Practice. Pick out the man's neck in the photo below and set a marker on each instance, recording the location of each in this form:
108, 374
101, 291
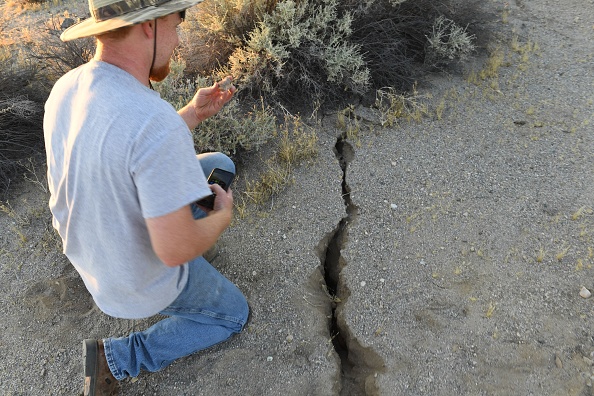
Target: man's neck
126, 58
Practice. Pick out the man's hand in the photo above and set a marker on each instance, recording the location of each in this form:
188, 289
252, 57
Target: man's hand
221, 202
208, 102
223, 199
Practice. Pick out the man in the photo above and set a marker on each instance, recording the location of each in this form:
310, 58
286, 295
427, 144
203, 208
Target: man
123, 177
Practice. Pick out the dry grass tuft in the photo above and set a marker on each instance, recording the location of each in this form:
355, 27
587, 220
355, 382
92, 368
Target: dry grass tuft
394, 106
21, 116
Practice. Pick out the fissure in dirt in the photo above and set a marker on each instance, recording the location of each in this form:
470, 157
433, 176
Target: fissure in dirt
358, 366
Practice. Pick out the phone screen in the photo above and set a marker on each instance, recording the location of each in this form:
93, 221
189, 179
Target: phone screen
220, 177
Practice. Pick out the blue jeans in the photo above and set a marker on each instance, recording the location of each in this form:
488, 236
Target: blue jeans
209, 310
209, 161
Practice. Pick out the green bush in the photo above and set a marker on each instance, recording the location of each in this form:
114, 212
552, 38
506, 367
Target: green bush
214, 29
286, 49
232, 129
304, 48
321, 50
448, 41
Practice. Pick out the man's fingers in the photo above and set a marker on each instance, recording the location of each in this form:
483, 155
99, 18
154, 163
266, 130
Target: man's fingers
215, 188
218, 190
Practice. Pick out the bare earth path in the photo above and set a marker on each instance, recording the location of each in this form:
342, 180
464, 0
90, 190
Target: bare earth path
457, 257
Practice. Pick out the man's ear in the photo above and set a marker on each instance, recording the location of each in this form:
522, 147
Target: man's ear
148, 28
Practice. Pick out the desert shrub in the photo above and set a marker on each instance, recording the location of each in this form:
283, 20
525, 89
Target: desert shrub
301, 48
393, 34
290, 49
21, 117
320, 50
26, 76
233, 128
393, 105
55, 57
403, 39
216, 28
448, 41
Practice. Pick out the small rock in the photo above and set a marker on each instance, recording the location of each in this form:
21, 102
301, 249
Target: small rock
585, 293
558, 361
289, 338
393, 206
363, 283
269, 359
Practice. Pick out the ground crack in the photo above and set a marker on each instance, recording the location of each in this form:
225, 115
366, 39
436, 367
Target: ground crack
358, 365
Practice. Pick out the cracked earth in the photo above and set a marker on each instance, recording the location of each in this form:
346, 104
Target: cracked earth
441, 258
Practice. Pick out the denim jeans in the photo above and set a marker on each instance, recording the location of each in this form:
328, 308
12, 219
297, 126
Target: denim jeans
209, 310
209, 161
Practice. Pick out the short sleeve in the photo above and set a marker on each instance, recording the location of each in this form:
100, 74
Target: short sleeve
166, 171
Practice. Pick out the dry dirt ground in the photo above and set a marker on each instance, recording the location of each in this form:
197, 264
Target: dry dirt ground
467, 239
473, 286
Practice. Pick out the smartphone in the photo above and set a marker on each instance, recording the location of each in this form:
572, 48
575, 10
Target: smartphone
220, 177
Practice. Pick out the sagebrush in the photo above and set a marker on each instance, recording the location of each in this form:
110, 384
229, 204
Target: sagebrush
233, 128
21, 116
286, 49
321, 50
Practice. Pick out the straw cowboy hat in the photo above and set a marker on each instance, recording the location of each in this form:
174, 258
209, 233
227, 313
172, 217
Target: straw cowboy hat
108, 15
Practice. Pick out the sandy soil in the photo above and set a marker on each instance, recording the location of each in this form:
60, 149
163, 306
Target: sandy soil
491, 242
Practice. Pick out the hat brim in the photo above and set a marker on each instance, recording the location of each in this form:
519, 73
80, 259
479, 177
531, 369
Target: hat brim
90, 27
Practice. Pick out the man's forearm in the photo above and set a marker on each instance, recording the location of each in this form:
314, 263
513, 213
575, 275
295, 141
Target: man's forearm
177, 238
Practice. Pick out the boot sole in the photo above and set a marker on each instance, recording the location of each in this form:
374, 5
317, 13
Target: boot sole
90, 353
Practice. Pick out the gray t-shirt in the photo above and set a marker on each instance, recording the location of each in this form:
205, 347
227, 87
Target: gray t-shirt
117, 154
